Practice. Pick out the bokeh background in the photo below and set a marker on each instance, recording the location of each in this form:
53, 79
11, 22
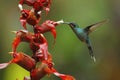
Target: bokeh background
69, 54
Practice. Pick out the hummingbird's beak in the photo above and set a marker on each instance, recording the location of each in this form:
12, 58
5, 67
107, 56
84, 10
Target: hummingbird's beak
67, 23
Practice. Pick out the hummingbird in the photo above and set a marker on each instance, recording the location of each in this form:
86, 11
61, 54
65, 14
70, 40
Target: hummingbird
83, 34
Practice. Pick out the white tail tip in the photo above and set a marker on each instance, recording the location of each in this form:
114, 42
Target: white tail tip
94, 59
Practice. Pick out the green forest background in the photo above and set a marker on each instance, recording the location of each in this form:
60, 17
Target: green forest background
69, 54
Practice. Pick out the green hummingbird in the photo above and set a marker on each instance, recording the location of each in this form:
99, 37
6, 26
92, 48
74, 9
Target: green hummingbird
83, 34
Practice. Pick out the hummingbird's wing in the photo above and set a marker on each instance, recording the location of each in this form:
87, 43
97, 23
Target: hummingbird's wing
90, 49
93, 27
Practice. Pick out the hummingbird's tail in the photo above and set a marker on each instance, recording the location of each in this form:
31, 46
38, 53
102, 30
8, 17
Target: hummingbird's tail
91, 53
90, 50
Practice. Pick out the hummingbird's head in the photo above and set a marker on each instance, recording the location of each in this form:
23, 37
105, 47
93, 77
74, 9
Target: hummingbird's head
72, 25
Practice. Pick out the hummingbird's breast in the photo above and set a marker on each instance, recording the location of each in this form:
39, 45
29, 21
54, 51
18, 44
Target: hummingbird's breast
81, 34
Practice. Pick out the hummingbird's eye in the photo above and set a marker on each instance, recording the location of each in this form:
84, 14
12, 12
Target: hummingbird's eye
72, 24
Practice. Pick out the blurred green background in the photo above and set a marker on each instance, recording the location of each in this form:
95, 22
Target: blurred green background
69, 54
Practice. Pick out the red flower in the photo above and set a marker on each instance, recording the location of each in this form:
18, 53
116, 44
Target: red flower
44, 69
40, 63
38, 5
38, 42
42, 4
28, 63
29, 16
48, 25
22, 60
28, 2
39, 72
63, 76
21, 36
